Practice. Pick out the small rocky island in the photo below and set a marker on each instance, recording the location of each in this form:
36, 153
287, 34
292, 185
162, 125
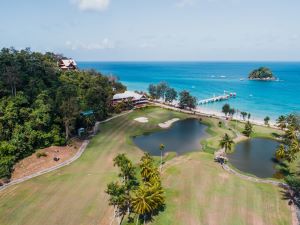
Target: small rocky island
262, 73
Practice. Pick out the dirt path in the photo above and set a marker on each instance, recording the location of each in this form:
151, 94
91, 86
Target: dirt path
65, 163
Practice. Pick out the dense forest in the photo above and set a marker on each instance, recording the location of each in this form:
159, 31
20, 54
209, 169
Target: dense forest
40, 105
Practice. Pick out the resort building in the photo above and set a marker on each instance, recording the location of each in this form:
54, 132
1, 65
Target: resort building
67, 64
135, 98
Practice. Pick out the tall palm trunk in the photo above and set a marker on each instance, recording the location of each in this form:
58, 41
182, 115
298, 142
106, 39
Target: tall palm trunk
137, 219
160, 161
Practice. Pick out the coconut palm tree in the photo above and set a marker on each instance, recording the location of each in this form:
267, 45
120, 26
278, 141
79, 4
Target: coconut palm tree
244, 114
290, 134
142, 202
146, 200
267, 119
146, 171
281, 122
280, 152
226, 142
248, 129
294, 146
161, 148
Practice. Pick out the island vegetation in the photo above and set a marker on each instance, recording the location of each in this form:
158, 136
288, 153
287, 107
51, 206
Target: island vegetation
41, 105
167, 94
262, 73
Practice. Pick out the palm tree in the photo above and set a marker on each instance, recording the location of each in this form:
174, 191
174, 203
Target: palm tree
267, 119
161, 148
249, 116
226, 142
290, 134
117, 198
244, 114
226, 109
295, 147
281, 122
146, 200
248, 129
280, 152
146, 171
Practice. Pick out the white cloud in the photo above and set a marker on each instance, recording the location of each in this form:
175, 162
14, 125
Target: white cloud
183, 3
104, 44
92, 5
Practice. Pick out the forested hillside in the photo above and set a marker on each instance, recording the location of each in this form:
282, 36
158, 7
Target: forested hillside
40, 105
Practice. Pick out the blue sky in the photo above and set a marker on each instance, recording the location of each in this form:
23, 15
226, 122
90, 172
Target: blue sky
131, 30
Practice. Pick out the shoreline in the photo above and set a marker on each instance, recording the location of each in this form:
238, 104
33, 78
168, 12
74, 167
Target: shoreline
219, 115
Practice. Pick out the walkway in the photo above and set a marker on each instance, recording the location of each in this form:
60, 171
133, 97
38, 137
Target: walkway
65, 163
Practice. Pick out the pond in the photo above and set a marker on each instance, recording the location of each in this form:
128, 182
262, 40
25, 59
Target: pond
183, 136
255, 156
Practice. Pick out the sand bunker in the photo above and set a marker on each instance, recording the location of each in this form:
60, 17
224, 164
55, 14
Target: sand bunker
142, 119
168, 123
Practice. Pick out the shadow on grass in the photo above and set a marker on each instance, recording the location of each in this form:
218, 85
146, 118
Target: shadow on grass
147, 218
282, 169
275, 135
289, 196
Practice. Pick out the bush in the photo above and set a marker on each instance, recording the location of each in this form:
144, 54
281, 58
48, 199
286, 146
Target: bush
220, 123
41, 154
6, 165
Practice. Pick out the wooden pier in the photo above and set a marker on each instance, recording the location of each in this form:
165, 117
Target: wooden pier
223, 97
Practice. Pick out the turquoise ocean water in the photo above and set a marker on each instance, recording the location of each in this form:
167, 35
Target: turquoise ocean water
204, 79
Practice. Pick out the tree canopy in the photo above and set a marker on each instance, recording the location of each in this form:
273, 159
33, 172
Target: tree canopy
261, 73
40, 105
186, 100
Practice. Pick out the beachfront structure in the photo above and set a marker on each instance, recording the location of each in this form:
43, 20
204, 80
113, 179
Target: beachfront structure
67, 64
135, 98
223, 97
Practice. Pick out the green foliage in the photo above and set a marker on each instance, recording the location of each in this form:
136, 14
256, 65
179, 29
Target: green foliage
6, 164
161, 89
244, 114
226, 109
186, 100
280, 152
266, 120
281, 122
226, 142
261, 73
143, 198
41, 154
152, 89
39, 102
248, 129
170, 95
291, 146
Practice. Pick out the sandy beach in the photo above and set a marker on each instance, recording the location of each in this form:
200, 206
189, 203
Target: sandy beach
220, 115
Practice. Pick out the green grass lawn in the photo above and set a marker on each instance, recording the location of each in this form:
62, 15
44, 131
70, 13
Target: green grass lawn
198, 191
258, 131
